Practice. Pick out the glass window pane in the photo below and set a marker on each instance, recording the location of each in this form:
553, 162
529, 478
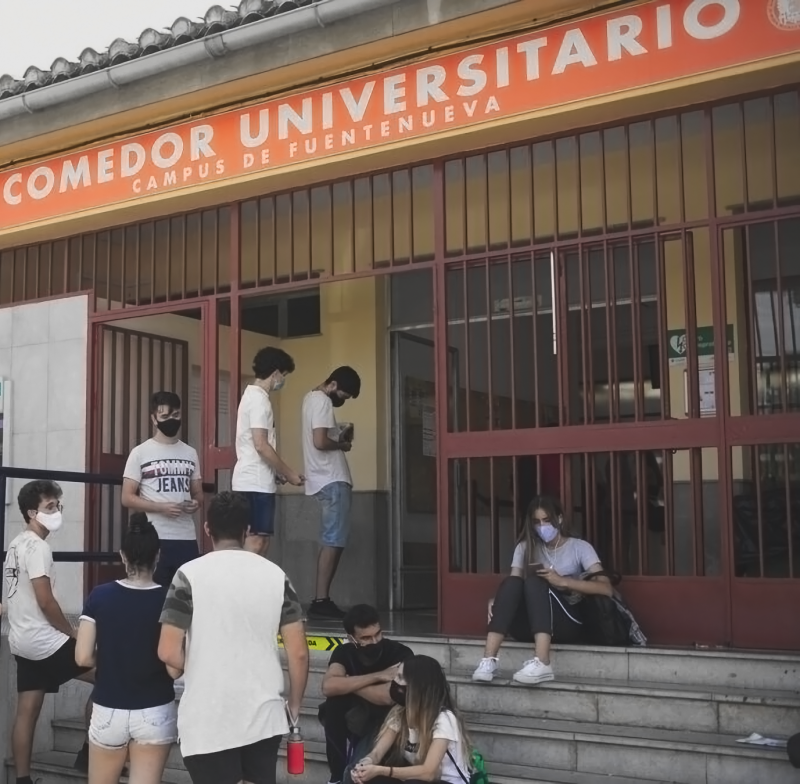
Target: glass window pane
787, 149
424, 212
728, 163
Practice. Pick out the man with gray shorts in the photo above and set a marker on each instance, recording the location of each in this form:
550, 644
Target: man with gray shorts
328, 478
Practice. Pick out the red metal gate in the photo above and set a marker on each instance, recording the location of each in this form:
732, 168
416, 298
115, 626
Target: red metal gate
601, 294
129, 366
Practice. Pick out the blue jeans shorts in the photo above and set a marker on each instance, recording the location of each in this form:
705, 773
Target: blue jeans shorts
262, 513
334, 502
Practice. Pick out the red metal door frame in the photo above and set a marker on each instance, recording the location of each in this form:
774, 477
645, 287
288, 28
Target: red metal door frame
753, 600
209, 391
462, 596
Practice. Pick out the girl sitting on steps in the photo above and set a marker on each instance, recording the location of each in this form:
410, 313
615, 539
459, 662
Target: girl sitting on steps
541, 600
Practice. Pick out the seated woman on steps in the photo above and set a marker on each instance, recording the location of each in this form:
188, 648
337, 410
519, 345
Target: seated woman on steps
134, 697
423, 739
540, 601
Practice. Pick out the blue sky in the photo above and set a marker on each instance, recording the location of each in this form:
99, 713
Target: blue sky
35, 32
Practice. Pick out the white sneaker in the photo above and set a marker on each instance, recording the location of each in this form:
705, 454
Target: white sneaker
534, 672
486, 670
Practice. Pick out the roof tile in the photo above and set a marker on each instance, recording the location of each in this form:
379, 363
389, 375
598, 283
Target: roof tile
216, 20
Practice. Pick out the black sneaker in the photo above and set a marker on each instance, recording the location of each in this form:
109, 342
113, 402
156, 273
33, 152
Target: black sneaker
325, 610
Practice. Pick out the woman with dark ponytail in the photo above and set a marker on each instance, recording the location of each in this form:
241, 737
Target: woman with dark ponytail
134, 709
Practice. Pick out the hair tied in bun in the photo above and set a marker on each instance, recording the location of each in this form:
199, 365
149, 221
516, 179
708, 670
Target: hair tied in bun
139, 524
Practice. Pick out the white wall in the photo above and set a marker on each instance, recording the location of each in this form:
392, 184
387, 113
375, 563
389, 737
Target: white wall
43, 352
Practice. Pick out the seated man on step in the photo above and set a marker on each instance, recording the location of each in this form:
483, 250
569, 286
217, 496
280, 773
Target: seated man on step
356, 687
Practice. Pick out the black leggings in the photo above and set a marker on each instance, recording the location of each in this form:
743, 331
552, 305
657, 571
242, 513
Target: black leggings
524, 608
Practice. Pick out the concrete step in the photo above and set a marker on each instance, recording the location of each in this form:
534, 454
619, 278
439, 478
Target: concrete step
726, 710
56, 767
572, 748
717, 668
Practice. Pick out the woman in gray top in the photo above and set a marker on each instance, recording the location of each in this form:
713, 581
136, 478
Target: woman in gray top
540, 600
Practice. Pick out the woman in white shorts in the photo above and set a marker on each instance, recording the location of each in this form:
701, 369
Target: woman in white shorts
134, 698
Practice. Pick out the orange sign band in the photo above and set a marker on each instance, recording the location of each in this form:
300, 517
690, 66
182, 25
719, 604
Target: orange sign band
626, 49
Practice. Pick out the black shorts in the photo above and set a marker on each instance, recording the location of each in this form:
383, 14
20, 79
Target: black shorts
50, 674
256, 763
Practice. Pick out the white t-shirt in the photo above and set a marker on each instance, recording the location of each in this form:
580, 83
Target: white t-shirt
165, 473
232, 604
30, 634
251, 474
445, 728
322, 467
571, 559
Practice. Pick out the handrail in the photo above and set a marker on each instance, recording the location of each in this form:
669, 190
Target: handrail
78, 477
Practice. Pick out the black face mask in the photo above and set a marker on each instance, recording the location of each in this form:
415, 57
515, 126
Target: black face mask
369, 655
398, 693
337, 401
169, 427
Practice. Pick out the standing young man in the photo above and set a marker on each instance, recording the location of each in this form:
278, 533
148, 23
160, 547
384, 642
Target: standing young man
328, 477
162, 478
220, 624
258, 467
41, 639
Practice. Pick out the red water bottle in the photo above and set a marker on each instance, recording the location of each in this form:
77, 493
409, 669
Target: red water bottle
295, 753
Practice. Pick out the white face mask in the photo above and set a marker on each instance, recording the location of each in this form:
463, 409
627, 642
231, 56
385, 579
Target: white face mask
52, 522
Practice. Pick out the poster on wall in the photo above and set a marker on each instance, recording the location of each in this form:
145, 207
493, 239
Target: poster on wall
707, 391
676, 346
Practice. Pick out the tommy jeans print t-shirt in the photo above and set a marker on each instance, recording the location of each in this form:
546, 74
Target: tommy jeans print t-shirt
165, 473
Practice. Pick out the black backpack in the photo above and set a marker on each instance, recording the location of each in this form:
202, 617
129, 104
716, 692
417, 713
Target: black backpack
602, 620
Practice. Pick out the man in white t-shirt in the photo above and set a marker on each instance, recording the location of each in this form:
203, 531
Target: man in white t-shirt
259, 468
220, 625
41, 639
328, 479
162, 478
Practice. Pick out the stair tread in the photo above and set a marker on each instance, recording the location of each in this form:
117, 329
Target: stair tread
633, 687
61, 762
334, 629
617, 734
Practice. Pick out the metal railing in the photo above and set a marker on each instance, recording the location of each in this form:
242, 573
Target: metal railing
78, 477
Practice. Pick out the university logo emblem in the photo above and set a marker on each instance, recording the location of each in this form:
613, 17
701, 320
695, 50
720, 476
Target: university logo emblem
784, 14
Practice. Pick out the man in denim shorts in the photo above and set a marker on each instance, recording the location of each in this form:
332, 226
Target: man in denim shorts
328, 479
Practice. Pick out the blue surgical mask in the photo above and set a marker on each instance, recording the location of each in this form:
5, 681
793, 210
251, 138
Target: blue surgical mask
279, 383
547, 531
